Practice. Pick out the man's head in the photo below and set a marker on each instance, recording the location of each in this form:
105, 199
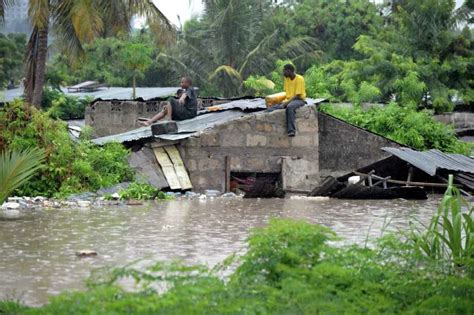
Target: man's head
186, 82
288, 70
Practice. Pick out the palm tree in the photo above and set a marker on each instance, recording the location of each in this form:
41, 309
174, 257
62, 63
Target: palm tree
228, 44
16, 168
75, 22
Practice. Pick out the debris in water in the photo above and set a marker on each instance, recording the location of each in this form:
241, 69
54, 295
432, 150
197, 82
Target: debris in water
86, 253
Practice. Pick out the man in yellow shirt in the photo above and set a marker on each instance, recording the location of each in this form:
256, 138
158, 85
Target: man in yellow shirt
295, 96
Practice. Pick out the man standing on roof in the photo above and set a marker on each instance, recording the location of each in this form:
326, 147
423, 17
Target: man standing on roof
294, 87
181, 108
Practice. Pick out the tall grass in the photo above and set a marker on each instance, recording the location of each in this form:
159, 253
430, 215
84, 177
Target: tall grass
450, 234
16, 168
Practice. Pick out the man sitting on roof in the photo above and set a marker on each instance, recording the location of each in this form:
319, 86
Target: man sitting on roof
181, 108
294, 87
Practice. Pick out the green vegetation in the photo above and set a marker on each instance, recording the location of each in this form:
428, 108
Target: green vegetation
405, 125
450, 235
74, 24
69, 167
291, 267
12, 48
142, 191
16, 168
136, 58
62, 106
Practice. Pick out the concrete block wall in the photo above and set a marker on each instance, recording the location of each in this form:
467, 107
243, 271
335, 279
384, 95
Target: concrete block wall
254, 143
345, 148
109, 117
113, 117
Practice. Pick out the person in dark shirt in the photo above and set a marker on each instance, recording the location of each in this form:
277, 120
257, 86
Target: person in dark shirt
181, 108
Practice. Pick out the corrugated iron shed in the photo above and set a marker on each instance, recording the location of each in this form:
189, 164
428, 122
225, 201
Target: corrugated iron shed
432, 160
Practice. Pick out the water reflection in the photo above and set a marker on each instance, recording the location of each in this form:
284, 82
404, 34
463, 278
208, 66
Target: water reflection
37, 251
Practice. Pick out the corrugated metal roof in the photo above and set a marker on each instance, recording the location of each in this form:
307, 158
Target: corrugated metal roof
432, 160
133, 135
105, 93
188, 128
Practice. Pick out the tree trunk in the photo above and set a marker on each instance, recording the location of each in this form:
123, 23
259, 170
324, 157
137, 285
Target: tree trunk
40, 71
134, 95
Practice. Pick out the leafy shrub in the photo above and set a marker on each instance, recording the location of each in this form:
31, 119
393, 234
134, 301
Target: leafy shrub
69, 167
450, 235
259, 85
62, 106
405, 125
142, 191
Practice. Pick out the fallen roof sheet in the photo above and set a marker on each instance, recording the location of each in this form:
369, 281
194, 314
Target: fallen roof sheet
432, 160
104, 93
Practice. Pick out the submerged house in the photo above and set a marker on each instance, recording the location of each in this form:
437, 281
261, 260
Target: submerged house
234, 143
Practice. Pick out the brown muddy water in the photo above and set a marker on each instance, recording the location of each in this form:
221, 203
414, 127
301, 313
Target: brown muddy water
37, 250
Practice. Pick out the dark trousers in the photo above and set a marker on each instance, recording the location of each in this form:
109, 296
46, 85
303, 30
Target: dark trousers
290, 113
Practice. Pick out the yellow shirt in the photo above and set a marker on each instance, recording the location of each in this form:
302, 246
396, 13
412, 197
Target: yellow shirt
294, 87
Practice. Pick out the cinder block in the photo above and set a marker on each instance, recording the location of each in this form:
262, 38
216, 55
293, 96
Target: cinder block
279, 141
210, 138
208, 164
256, 140
302, 141
232, 139
264, 127
164, 128
307, 125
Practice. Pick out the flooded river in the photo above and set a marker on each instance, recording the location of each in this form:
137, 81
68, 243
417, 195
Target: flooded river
37, 250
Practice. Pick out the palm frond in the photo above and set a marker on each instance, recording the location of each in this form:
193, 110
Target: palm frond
227, 79
264, 43
39, 13
16, 168
4, 4
181, 68
86, 19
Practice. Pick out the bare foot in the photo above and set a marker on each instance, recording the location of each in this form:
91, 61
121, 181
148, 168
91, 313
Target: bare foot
144, 123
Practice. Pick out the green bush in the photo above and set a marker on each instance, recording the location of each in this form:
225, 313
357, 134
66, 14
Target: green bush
62, 106
69, 167
142, 191
405, 125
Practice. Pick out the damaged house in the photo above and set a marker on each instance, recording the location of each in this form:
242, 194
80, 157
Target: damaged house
236, 144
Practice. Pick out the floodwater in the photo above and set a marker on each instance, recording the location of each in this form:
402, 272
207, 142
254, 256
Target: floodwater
37, 250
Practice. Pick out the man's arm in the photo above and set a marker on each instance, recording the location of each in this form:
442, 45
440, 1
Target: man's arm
182, 99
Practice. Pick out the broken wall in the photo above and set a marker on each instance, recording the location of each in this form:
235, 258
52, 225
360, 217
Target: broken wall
255, 143
113, 117
344, 147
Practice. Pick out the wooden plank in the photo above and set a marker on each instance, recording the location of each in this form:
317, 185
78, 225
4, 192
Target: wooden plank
400, 182
227, 173
167, 167
179, 168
